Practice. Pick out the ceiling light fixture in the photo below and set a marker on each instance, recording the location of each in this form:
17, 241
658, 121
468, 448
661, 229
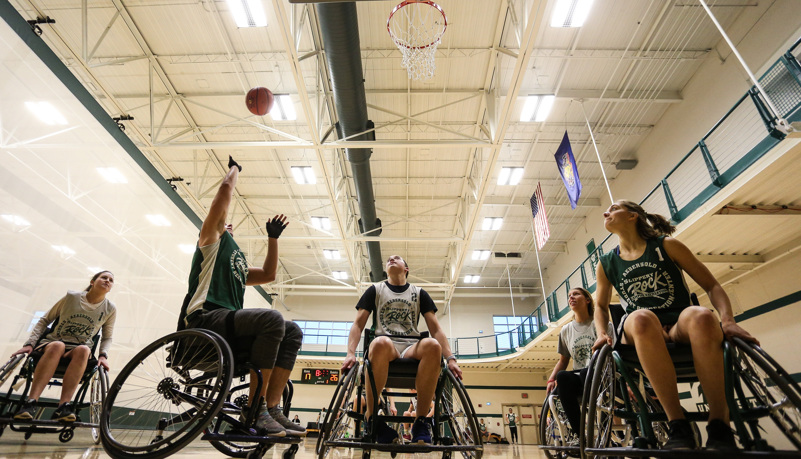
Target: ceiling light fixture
331, 254
187, 248
537, 108
481, 254
248, 13
15, 220
471, 278
158, 220
283, 108
570, 13
492, 223
94, 269
510, 175
63, 250
112, 174
304, 175
46, 112
321, 223
339, 274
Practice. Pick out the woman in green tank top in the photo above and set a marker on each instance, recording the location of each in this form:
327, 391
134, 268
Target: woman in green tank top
646, 270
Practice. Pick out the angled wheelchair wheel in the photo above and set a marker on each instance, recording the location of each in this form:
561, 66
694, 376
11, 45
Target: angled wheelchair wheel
338, 423
769, 388
8, 368
549, 430
166, 395
236, 399
599, 403
460, 416
97, 394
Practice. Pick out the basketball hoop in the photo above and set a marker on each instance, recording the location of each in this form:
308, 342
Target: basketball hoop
416, 27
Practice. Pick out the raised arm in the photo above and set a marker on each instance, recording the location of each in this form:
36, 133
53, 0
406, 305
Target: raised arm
438, 334
353, 338
603, 294
683, 257
214, 224
267, 272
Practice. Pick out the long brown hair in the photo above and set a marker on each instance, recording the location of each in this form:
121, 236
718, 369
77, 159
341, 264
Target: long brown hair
649, 226
588, 297
94, 278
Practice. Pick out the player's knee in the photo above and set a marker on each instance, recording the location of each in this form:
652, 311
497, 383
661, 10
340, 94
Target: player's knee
430, 346
56, 347
81, 352
270, 320
703, 321
293, 332
642, 322
381, 347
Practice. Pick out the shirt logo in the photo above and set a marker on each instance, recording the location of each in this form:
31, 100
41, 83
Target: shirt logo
656, 288
396, 317
239, 266
78, 326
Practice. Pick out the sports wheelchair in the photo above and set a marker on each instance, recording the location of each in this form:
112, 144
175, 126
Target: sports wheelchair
455, 425
94, 382
617, 391
557, 439
180, 386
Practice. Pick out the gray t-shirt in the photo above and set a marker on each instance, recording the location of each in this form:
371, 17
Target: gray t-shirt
576, 340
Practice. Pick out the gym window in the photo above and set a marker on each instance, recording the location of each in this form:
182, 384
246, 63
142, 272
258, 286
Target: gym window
504, 324
330, 333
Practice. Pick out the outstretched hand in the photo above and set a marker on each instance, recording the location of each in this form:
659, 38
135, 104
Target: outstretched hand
25, 350
731, 329
232, 163
276, 226
599, 343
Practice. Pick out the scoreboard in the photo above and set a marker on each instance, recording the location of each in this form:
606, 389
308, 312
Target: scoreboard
319, 376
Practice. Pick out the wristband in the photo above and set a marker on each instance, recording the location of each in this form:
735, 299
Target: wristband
102, 354
551, 380
450, 357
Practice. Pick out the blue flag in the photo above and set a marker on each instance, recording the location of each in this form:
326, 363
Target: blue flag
569, 171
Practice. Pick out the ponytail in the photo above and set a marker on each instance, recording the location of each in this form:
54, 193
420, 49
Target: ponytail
649, 226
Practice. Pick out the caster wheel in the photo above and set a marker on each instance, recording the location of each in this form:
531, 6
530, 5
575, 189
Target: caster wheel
289, 453
156, 439
28, 435
66, 436
366, 454
255, 454
446, 455
394, 455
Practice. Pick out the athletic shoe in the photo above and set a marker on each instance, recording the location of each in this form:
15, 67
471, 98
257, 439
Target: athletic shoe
384, 434
265, 423
292, 429
26, 411
421, 431
720, 436
64, 413
680, 435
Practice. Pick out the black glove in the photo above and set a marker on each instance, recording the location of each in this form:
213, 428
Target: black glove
276, 226
232, 163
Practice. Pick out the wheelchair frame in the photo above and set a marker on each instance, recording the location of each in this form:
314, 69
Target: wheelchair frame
341, 417
196, 369
94, 381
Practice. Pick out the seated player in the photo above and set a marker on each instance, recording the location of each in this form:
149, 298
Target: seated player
646, 270
486, 435
397, 306
216, 297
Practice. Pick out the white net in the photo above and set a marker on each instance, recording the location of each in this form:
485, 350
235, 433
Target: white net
416, 27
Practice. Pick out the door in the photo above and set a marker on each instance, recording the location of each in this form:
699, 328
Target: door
527, 425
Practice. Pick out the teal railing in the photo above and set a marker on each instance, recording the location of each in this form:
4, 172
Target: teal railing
744, 134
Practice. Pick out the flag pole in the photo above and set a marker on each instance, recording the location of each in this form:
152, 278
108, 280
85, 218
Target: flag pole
539, 267
511, 293
597, 154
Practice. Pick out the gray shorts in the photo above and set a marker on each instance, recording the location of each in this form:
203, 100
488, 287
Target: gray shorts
403, 345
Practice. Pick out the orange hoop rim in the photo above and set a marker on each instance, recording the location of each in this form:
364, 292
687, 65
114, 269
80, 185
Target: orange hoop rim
410, 2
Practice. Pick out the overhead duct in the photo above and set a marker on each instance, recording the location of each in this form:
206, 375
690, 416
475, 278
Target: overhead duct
340, 31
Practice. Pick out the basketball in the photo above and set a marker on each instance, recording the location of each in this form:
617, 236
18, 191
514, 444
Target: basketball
259, 101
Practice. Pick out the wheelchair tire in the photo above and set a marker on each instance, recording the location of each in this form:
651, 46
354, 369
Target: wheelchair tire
771, 386
8, 368
337, 420
461, 418
598, 421
236, 399
166, 395
97, 394
549, 431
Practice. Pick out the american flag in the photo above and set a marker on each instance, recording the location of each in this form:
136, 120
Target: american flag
541, 230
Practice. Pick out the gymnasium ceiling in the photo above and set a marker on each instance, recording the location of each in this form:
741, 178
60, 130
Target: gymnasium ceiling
181, 69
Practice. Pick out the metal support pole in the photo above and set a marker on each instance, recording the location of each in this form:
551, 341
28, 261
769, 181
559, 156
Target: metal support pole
597, 154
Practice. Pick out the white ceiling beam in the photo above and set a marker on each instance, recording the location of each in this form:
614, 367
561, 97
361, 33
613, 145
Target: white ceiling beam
726, 258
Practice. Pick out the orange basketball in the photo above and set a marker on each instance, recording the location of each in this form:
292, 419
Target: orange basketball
259, 101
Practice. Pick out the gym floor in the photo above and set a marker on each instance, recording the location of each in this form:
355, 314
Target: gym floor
13, 445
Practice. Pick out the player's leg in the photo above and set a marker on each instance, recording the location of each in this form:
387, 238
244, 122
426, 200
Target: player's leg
284, 362
382, 351
429, 352
45, 368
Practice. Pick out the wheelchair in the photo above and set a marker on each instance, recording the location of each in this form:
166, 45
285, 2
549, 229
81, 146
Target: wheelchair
455, 423
180, 386
93, 383
557, 439
756, 388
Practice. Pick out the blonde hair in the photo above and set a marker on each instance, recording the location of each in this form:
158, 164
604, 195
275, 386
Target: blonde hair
588, 297
649, 226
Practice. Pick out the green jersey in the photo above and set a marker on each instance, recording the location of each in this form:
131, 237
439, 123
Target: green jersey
652, 282
218, 275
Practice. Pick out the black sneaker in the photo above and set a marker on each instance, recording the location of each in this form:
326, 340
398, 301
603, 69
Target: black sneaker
384, 434
720, 436
421, 432
680, 435
26, 411
64, 413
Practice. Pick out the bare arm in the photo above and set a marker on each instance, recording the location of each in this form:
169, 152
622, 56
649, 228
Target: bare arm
439, 335
603, 294
214, 224
353, 338
683, 257
560, 365
268, 271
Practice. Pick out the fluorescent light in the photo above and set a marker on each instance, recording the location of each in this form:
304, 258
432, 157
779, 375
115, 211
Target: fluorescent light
537, 108
339, 274
331, 254
481, 254
283, 108
304, 175
471, 278
492, 223
510, 175
322, 223
15, 220
187, 248
64, 250
46, 112
158, 220
248, 13
570, 13
94, 269
112, 174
